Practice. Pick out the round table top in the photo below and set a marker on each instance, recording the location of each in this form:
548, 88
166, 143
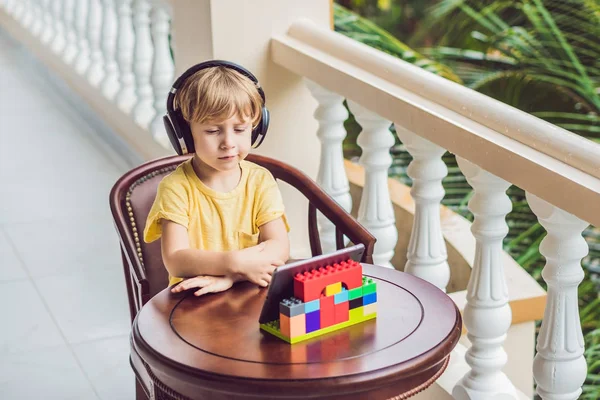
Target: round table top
214, 342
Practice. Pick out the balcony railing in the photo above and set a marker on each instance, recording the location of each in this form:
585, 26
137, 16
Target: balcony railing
119, 51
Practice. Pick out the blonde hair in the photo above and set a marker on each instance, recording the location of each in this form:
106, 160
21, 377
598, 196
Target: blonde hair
218, 93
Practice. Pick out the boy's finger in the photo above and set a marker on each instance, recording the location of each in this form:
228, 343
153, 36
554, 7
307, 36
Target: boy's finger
204, 290
263, 283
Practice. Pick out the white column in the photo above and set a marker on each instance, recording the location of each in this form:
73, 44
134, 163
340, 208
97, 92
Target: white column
110, 83
27, 17
487, 315
426, 255
38, 18
331, 115
162, 68
71, 38
48, 29
58, 43
82, 60
125, 45
17, 9
9, 6
559, 367
95, 72
143, 112
376, 212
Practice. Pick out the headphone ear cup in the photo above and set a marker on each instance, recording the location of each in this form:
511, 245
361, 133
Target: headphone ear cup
172, 134
259, 133
184, 133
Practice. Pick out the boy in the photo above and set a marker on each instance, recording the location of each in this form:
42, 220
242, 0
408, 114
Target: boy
220, 218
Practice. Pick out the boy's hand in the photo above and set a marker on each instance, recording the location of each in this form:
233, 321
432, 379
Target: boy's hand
206, 283
255, 265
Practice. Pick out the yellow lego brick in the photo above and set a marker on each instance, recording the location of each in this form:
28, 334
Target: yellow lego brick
356, 313
332, 289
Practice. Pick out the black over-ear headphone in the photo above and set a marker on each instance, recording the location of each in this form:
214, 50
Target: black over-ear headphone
177, 127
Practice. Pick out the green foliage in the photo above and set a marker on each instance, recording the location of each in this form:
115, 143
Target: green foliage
542, 57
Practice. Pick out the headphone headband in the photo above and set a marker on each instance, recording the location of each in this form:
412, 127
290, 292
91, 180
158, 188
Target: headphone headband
205, 65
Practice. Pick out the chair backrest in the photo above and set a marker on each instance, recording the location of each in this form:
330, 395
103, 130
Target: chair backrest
133, 194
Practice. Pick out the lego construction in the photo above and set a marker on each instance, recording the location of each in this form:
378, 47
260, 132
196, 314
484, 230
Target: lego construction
324, 300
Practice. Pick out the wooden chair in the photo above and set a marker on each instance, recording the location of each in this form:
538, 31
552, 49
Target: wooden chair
133, 194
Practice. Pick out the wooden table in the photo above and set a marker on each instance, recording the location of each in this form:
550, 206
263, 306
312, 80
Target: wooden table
212, 348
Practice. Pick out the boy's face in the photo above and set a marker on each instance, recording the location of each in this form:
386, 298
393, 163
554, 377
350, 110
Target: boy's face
221, 145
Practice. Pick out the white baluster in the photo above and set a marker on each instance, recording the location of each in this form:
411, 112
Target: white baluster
70, 36
58, 42
143, 112
559, 367
82, 61
125, 46
18, 10
38, 18
162, 68
95, 72
9, 6
27, 18
376, 212
48, 28
110, 84
487, 315
426, 255
331, 115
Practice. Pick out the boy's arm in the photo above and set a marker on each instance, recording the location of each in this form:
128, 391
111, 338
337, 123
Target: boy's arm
274, 235
183, 262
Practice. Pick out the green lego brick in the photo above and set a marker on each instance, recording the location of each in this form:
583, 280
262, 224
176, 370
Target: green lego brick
369, 286
355, 293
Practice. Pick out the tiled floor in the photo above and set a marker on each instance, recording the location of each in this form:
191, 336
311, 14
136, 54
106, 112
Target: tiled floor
64, 320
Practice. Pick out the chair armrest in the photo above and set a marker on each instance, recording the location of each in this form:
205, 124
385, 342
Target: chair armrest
323, 202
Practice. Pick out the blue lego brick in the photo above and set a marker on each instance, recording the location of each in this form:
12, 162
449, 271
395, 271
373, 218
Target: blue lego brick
313, 321
340, 297
291, 307
312, 306
369, 298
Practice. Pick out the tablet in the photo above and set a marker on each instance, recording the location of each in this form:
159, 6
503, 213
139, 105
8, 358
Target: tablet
282, 282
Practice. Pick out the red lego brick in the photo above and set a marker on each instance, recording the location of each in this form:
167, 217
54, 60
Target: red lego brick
327, 311
309, 285
342, 312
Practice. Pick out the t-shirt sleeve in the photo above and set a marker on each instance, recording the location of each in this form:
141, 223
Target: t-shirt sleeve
270, 203
171, 203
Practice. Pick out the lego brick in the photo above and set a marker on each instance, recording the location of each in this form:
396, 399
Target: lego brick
327, 312
369, 298
355, 303
332, 289
315, 356
355, 313
368, 285
313, 321
309, 285
291, 307
297, 326
355, 293
284, 325
311, 306
340, 297
342, 313
370, 309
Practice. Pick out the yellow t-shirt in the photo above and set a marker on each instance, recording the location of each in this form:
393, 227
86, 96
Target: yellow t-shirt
216, 221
